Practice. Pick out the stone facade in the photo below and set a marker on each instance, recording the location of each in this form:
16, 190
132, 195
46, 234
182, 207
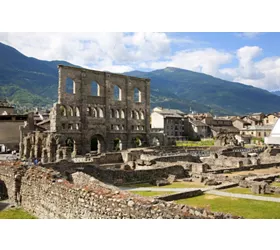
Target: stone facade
96, 112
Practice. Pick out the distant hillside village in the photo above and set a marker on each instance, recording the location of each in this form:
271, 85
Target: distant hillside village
171, 124
177, 126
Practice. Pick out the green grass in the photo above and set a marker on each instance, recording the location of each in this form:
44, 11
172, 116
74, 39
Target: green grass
250, 209
239, 190
173, 185
151, 193
275, 184
195, 143
15, 213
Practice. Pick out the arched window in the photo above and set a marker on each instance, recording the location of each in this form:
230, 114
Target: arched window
135, 115
122, 114
94, 112
117, 93
77, 111
117, 113
112, 113
63, 111
70, 86
141, 115
100, 112
95, 89
89, 111
137, 95
70, 111
117, 144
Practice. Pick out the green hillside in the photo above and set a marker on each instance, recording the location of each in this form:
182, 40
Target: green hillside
29, 82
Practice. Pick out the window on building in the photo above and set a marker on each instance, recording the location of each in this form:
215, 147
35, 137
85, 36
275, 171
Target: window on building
137, 95
94, 89
117, 93
70, 86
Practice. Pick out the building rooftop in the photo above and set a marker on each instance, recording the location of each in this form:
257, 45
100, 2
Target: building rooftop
165, 111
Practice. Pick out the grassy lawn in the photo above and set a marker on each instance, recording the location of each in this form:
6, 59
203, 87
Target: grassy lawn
195, 143
250, 209
275, 184
173, 185
151, 193
239, 190
15, 213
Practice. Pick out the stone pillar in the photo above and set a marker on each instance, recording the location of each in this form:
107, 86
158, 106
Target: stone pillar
44, 156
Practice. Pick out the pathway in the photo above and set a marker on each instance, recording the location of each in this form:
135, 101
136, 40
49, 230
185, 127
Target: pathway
243, 196
157, 189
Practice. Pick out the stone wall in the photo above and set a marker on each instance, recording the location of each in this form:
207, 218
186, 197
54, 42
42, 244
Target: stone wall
118, 176
105, 158
44, 194
171, 158
182, 195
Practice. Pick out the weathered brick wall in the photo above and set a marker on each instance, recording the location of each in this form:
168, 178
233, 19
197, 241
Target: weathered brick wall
118, 176
112, 157
46, 195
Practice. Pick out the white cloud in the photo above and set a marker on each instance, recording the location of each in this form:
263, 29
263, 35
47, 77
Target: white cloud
247, 69
206, 61
122, 52
264, 73
249, 35
98, 50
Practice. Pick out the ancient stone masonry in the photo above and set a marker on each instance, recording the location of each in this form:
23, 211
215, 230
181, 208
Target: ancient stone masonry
46, 195
96, 112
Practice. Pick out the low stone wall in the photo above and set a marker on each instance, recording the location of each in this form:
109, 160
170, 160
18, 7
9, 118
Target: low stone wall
112, 157
118, 176
46, 195
171, 158
245, 168
181, 195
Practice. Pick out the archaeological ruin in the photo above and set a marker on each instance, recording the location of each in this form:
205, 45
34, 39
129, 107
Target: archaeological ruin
96, 112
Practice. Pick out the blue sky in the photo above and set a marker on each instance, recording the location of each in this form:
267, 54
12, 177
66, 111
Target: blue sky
249, 58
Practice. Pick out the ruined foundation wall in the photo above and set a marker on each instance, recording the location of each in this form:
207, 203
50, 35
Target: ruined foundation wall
47, 196
117, 176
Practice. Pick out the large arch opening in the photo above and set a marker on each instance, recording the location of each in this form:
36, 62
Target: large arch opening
63, 111
70, 143
3, 191
155, 141
94, 112
134, 115
94, 89
141, 114
70, 111
117, 93
89, 111
100, 113
117, 146
137, 141
77, 112
97, 144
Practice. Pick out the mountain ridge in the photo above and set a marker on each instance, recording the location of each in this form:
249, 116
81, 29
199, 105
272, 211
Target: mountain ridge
33, 82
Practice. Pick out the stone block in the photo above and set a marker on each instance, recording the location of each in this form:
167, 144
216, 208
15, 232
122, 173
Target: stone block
140, 162
171, 178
